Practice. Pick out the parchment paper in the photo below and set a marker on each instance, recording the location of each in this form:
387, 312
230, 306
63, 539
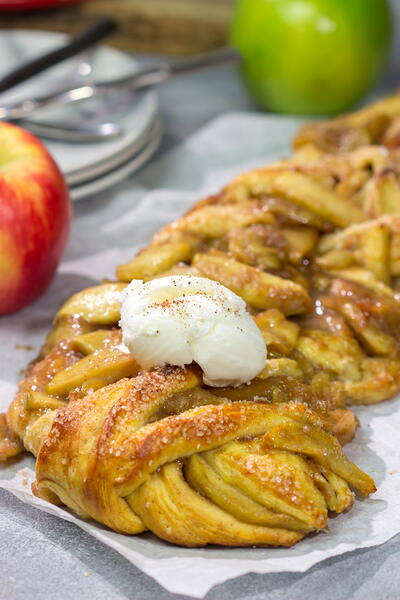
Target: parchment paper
106, 231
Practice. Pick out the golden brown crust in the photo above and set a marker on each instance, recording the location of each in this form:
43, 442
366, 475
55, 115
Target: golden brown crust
19, 417
105, 458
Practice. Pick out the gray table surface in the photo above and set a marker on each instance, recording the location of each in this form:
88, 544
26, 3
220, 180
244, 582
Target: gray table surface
44, 557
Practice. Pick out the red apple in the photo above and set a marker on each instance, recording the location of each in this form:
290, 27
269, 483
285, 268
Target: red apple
35, 216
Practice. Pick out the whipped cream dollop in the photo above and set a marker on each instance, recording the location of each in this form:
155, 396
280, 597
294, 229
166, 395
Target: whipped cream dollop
180, 319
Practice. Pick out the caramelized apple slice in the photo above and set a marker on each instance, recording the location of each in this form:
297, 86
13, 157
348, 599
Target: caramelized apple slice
37, 400
303, 191
65, 328
384, 194
336, 354
93, 372
157, 258
371, 336
259, 246
367, 279
88, 343
301, 242
218, 220
279, 333
374, 250
259, 289
98, 304
281, 366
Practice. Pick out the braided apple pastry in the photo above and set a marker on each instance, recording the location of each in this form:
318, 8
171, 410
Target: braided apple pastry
311, 247
164, 452
160, 452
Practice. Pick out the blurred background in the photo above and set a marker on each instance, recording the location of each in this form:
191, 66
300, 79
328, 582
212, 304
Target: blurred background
336, 44
176, 27
358, 48
306, 58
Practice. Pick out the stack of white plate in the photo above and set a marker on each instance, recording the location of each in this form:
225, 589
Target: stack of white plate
88, 167
91, 168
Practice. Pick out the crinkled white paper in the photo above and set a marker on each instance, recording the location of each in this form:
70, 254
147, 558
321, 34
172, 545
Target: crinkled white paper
106, 229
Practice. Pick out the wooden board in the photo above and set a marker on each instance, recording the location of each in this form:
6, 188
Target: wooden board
180, 27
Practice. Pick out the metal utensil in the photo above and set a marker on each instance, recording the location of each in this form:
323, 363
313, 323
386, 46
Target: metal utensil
65, 131
93, 34
143, 79
82, 130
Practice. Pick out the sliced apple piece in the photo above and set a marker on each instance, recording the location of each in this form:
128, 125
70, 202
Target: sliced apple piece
374, 249
216, 221
279, 333
37, 400
301, 242
259, 289
87, 343
157, 258
93, 372
98, 304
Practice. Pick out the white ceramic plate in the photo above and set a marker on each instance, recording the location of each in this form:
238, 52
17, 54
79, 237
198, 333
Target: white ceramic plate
107, 164
79, 161
121, 171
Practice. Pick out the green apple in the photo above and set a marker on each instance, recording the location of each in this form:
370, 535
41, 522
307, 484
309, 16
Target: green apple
311, 57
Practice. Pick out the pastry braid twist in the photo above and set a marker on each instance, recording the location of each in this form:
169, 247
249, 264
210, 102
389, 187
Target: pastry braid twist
159, 452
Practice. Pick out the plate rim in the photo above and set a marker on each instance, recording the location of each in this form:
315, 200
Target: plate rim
100, 184
75, 178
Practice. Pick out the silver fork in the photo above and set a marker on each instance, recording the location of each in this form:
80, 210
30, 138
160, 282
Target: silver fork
80, 129
121, 90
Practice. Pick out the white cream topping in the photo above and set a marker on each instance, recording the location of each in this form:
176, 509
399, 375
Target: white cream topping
179, 319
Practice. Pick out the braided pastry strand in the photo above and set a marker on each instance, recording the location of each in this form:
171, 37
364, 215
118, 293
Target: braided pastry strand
158, 452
